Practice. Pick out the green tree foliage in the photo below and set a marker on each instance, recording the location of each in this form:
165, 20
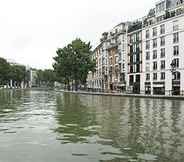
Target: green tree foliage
18, 73
4, 71
46, 77
73, 63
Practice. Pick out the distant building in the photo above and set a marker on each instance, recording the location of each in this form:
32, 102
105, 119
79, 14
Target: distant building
33, 77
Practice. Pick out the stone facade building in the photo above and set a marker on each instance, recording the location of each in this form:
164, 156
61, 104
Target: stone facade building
144, 56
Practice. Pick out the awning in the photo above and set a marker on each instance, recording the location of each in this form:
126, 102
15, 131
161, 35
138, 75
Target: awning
121, 85
158, 86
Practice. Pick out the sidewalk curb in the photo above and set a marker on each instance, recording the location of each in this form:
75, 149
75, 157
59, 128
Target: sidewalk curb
125, 95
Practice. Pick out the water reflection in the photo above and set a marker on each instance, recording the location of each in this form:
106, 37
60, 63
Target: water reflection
75, 122
140, 129
10, 102
81, 128
175, 149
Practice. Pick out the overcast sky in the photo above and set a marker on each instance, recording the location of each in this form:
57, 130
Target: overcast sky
32, 30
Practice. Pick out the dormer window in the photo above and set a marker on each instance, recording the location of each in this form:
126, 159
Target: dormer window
179, 2
160, 6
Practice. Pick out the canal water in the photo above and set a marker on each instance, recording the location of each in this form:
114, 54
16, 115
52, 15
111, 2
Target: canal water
47, 126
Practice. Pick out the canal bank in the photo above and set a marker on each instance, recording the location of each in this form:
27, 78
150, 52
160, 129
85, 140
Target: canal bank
34, 88
124, 95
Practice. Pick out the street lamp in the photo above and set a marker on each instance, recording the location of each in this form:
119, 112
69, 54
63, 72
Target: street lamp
173, 70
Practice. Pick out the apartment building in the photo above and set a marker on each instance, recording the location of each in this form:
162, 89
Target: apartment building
144, 56
134, 57
94, 79
111, 57
163, 39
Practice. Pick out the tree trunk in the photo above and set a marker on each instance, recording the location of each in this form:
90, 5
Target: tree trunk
68, 85
76, 85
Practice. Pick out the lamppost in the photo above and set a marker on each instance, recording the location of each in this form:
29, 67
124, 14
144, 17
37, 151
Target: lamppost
173, 70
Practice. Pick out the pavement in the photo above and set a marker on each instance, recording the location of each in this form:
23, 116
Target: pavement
125, 95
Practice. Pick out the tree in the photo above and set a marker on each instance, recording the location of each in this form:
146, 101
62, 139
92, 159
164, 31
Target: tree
73, 63
39, 77
4, 71
18, 74
46, 78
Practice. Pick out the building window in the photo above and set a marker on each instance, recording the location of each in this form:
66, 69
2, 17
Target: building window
147, 45
162, 41
162, 29
137, 68
111, 61
162, 76
140, 46
176, 62
179, 2
134, 58
131, 59
162, 55
155, 65
176, 50
138, 38
147, 76
176, 76
154, 43
154, 76
134, 68
162, 65
131, 69
155, 54
147, 67
131, 80
135, 48
160, 18
116, 60
147, 34
176, 37
160, 6
154, 32
147, 55
175, 26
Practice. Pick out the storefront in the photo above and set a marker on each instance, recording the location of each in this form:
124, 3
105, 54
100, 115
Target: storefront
148, 88
159, 88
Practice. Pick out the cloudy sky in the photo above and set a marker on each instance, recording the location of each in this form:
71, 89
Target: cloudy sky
32, 30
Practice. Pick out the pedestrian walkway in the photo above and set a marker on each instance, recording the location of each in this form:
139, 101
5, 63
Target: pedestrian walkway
125, 95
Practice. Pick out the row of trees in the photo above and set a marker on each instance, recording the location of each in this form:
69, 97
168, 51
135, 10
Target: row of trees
45, 78
73, 62
71, 66
16, 73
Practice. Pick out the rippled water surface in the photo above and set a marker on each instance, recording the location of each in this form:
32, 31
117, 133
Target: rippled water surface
46, 126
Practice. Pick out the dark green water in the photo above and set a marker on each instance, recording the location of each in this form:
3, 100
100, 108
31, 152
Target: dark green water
45, 126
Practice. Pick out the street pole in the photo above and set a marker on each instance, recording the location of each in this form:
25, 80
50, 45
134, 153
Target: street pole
173, 69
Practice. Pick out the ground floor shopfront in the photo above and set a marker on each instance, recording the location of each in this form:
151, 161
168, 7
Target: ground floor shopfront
171, 85
159, 88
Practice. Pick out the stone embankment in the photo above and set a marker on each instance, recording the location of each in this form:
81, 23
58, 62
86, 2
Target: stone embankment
125, 95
